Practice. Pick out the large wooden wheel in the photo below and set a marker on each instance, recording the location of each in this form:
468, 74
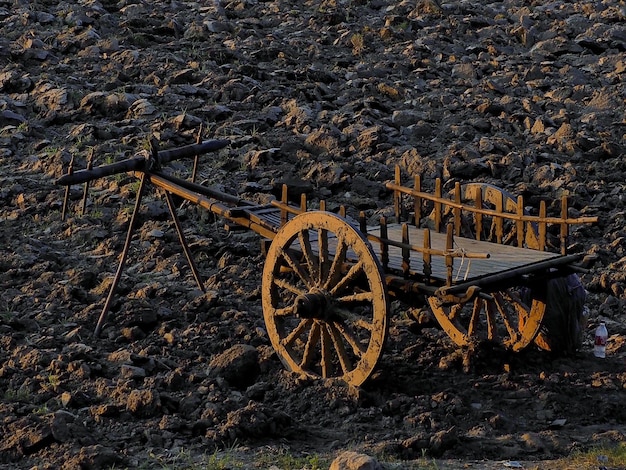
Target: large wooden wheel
511, 317
324, 298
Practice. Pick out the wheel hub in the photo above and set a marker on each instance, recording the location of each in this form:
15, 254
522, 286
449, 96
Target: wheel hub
316, 303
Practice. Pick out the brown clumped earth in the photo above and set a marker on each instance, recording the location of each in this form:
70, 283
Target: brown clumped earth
330, 96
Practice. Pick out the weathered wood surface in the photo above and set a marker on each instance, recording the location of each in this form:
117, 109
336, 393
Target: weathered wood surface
501, 258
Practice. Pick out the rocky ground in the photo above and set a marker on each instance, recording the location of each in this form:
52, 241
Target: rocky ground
329, 95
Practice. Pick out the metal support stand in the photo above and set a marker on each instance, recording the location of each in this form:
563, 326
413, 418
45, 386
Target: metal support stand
66, 196
183, 241
83, 207
120, 268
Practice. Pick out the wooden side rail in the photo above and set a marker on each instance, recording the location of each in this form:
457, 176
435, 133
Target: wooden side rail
505, 208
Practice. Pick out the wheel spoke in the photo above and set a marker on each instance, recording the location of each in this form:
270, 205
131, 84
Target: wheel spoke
326, 351
322, 243
454, 311
296, 267
475, 318
344, 315
309, 348
492, 333
351, 339
505, 316
336, 268
311, 260
285, 284
297, 332
284, 312
344, 360
349, 276
356, 297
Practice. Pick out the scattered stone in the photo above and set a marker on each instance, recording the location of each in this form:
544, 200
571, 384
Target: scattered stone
239, 365
93, 457
143, 403
354, 461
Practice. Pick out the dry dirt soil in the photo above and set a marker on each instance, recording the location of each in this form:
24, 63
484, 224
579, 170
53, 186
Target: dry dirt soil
330, 96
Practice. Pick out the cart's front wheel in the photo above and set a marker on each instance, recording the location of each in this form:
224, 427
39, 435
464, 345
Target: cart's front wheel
324, 298
511, 317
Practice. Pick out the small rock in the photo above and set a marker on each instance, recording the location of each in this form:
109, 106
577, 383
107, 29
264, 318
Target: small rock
143, 403
132, 372
354, 461
443, 440
239, 365
93, 457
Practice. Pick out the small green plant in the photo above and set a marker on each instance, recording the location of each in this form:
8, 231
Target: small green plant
52, 383
50, 151
7, 311
97, 213
17, 395
41, 410
219, 460
358, 43
285, 460
134, 186
609, 457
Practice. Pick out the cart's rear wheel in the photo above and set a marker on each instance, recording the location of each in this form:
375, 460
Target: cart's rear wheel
509, 317
324, 298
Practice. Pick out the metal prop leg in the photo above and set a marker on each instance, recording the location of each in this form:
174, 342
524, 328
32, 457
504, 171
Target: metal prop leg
66, 197
83, 207
183, 241
120, 268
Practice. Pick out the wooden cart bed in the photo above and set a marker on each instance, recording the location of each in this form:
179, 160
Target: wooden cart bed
501, 258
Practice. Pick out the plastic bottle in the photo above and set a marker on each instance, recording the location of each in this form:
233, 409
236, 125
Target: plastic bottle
599, 347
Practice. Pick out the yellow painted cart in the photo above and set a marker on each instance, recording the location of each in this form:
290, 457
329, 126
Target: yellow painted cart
473, 255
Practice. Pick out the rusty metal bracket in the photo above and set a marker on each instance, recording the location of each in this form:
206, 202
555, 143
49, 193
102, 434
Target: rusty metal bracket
446, 298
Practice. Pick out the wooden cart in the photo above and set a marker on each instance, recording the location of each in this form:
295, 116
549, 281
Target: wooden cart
473, 255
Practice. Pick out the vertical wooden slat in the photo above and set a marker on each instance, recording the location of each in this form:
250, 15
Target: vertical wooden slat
384, 247
478, 217
449, 257
542, 228
457, 210
417, 200
323, 205
342, 211
303, 202
499, 221
564, 226
284, 215
362, 223
406, 252
397, 195
438, 205
428, 270
519, 224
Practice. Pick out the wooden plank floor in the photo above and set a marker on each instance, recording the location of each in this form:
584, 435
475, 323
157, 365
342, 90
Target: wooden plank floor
501, 257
